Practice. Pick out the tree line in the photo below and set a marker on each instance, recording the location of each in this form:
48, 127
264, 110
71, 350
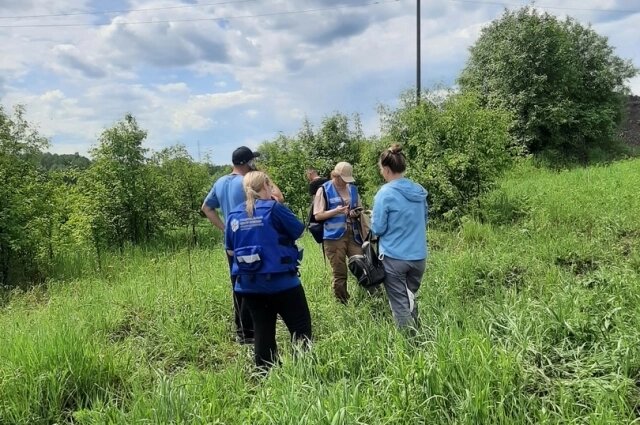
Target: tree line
533, 84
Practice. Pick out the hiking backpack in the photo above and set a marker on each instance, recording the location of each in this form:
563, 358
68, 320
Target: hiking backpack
367, 268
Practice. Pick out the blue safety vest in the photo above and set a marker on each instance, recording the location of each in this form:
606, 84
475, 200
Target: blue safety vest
258, 248
335, 226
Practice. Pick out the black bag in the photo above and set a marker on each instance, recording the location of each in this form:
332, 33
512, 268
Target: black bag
316, 228
317, 231
367, 268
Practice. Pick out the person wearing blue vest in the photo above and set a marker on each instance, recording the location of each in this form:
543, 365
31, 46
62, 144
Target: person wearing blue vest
339, 212
399, 219
260, 235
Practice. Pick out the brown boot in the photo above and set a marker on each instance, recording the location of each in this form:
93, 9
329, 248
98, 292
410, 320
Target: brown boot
341, 293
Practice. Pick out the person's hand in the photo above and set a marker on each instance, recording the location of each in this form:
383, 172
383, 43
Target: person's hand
355, 212
342, 210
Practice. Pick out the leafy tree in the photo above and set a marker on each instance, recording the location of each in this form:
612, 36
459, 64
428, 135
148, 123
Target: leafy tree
53, 161
217, 171
286, 158
124, 210
369, 178
561, 80
22, 199
184, 184
337, 139
455, 150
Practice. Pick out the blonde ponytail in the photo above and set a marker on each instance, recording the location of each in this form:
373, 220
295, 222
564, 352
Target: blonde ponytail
253, 182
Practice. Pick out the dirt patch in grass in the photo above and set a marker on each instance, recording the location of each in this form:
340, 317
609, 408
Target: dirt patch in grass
134, 323
485, 279
628, 241
515, 277
578, 264
594, 282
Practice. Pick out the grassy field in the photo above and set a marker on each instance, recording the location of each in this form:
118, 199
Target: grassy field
530, 314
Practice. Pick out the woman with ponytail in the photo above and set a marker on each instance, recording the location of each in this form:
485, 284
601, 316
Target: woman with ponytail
260, 235
399, 219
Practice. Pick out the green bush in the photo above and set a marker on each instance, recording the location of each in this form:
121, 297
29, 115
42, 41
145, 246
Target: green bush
561, 80
23, 201
285, 159
456, 150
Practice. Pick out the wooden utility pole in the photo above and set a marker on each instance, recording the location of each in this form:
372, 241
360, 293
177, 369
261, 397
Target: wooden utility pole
418, 52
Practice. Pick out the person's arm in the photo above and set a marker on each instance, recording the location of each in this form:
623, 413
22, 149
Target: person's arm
209, 206
228, 240
379, 216
319, 206
287, 222
276, 193
213, 216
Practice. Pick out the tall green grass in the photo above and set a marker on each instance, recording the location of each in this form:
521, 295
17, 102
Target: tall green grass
530, 314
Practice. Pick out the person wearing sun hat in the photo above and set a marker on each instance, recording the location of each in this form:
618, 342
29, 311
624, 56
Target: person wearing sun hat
341, 238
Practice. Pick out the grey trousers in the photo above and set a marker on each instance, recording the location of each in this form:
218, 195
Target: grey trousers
401, 283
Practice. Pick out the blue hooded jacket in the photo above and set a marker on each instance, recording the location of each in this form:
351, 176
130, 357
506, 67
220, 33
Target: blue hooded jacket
400, 216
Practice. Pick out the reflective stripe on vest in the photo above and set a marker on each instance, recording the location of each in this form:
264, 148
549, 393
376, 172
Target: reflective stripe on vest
248, 259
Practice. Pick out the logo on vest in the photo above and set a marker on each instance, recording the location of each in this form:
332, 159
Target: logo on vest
235, 224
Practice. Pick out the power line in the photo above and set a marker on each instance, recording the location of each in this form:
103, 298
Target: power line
110, 12
549, 7
293, 12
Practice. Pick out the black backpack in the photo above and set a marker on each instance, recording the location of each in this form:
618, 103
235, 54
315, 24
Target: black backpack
367, 268
316, 228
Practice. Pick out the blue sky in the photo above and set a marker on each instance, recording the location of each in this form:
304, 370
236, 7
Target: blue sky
217, 74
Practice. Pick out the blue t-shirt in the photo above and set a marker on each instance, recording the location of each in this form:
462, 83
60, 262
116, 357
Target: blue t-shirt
227, 193
287, 224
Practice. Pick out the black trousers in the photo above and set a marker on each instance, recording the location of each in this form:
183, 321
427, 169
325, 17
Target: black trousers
292, 306
242, 317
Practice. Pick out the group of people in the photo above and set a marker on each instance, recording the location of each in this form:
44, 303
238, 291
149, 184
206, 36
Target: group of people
260, 235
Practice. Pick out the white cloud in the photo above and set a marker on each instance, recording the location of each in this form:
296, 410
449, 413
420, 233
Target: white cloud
56, 114
186, 119
196, 113
180, 87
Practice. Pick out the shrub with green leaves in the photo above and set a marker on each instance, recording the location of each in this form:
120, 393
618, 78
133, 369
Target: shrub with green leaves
287, 158
456, 149
22, 199
561, 80
181, 185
